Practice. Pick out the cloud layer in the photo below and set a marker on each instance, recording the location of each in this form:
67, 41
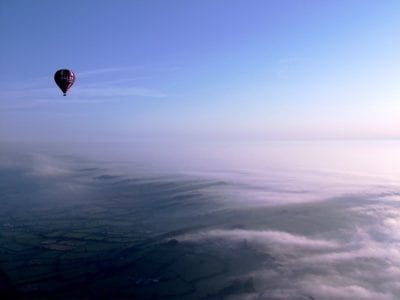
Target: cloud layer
361, 263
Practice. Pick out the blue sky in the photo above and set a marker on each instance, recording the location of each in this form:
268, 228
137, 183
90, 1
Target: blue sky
200, 69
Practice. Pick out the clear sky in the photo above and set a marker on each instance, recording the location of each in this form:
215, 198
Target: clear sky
200, 69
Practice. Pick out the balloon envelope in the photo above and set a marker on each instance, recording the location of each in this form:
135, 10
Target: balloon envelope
64, 78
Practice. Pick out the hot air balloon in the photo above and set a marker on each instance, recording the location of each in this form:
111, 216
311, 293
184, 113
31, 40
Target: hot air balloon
64, 79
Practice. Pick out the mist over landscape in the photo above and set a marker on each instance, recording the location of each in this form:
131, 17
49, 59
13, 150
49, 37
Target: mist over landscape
79, 227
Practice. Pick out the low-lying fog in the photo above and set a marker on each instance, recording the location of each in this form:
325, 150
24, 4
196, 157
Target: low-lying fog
254, 220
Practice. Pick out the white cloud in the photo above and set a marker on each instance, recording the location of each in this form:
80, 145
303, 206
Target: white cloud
365, 266
89, 73
323, 288
106, 92
43, 165
268, 238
